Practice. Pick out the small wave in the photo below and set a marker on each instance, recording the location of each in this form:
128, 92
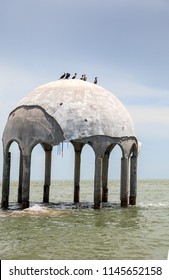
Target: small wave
154, 205
36, 209
40, 210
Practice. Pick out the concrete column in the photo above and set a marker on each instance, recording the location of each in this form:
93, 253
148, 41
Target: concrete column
77, 176
6, 180
78, 149
105, 177
26, 180
124, 182
98, 182
20, 179
133, 180
47, 180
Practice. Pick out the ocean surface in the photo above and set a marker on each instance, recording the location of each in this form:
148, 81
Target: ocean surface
63, 230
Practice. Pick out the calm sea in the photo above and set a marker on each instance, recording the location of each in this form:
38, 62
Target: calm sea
62, 230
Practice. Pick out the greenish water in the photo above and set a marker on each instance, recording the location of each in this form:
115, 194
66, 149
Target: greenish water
63, 230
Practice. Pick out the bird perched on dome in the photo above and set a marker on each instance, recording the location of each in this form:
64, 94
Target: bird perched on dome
63, 76
84, 77
95, 80
74, 77
67, 76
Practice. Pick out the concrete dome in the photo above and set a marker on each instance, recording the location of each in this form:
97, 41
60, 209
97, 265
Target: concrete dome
82, 109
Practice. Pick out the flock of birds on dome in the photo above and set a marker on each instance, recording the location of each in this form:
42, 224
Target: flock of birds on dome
83, 77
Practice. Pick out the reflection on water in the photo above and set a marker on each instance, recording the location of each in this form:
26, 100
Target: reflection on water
61, 230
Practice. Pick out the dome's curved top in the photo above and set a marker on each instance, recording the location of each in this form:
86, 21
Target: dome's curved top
82, 109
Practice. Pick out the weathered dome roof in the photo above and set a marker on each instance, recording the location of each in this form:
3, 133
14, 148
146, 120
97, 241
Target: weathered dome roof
82, 109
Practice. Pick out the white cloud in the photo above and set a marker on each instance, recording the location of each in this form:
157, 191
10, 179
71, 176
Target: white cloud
156, 116
151, 124
135, 93
148, 107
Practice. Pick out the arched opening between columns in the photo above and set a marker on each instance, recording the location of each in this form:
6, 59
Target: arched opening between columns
37, 170
85, 176
11, 173
62, 161
114, 171
62, 172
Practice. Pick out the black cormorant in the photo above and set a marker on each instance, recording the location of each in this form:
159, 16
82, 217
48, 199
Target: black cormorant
74, 77
63, 76
95, 80
67, 76
84, 77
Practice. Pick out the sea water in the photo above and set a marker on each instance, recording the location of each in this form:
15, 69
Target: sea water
63, 230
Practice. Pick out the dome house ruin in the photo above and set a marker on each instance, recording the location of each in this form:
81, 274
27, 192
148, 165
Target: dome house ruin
83, 114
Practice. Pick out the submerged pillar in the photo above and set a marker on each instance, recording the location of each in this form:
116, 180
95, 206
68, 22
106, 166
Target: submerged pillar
20, 179
6, 180
98, 182
78, 149
105, 177
47, 180
26, 180
124, 182
133, 180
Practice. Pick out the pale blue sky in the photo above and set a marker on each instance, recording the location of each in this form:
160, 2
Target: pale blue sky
123, 42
